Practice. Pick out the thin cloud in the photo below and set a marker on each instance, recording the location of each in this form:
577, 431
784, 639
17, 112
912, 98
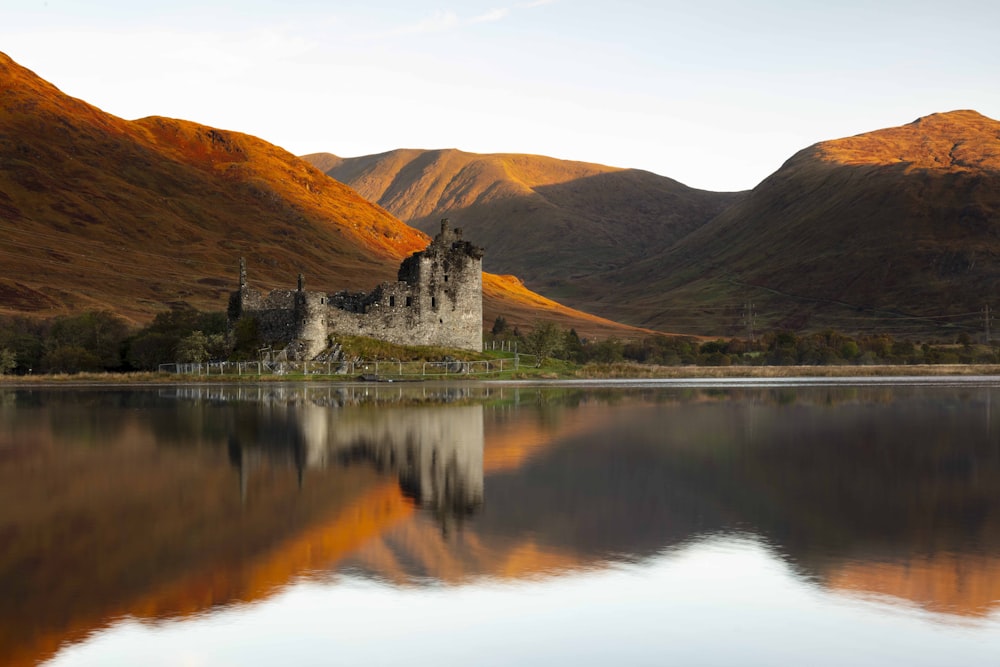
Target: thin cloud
492, 15
444, 21
438, 22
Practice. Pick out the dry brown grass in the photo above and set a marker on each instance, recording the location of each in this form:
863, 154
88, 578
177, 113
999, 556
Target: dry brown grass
625, 371
507, 296
926, 143
99, 213
555, 223
858, 243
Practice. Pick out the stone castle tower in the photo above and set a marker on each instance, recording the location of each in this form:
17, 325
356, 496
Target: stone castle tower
436, 300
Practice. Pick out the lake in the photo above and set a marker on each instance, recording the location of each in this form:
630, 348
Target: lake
819, 522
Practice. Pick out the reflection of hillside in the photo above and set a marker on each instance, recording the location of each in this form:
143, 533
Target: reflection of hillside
146, 504
416, 551
98, 533
963, 584
899, 506
134, 523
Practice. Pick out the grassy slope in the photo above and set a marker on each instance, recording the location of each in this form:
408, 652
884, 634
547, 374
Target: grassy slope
556, 223
869, 232
101, 213
893, 231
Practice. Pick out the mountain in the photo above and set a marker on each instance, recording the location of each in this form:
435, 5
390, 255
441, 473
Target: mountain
894, 231
137, 216
890, 231
556, 223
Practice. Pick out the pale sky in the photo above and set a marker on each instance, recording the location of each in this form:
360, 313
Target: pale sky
713, 93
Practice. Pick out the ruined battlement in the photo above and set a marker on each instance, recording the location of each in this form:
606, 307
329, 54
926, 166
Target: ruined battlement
437, 300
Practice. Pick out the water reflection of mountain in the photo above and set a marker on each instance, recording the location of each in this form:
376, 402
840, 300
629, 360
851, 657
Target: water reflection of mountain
852, 487
157, 504
128, 504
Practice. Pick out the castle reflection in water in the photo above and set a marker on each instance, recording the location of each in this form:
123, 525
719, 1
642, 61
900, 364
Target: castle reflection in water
436, 452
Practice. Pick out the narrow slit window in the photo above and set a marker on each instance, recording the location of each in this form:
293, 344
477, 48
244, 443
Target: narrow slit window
392, 302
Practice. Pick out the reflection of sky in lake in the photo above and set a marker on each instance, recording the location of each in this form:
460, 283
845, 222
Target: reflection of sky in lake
638, 524
720, 601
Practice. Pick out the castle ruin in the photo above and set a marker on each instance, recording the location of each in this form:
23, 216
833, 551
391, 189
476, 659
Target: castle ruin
437, 299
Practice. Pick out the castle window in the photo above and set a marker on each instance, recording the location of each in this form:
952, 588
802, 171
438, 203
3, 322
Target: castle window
409, 301
446, 277
392, 301
433, 302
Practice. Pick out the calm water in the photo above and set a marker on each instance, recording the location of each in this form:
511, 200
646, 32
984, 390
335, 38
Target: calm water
629, 523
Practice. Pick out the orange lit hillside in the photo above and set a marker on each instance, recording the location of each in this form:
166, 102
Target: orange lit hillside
135, 217
947, 583
507, 296
558, 224
958, 141
892, 231
155, 532
97, 212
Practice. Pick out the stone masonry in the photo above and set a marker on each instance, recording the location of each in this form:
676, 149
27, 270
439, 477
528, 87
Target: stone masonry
436, 300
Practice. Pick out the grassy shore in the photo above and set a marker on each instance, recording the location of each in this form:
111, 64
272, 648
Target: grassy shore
554, 371
721, 372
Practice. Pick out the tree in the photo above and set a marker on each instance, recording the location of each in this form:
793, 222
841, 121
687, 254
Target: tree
101, 334
246, 340
158, 343
193, 349
543, 341
608, 351
572, 347
24, 341
147, 351
499, 326
8, 361
71, 359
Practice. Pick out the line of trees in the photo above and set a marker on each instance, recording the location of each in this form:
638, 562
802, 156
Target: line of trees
102, 341
780, 348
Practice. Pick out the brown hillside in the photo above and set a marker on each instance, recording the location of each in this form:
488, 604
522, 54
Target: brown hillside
135, 216
894, 231
98, 212
554, 222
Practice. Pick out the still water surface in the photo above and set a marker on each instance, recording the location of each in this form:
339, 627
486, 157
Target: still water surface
641, 523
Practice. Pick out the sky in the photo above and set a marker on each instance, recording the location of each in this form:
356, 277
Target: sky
716, 94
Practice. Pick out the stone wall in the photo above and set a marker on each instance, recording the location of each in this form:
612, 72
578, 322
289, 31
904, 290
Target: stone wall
438, 300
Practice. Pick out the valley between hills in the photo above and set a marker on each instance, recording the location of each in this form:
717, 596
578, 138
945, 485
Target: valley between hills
893, 231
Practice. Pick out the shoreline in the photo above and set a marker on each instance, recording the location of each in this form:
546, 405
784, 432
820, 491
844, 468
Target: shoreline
617, 372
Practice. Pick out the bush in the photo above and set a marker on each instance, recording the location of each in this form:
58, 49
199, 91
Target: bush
71, 359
